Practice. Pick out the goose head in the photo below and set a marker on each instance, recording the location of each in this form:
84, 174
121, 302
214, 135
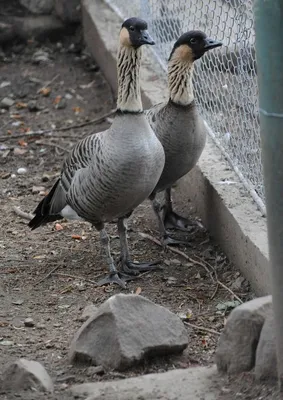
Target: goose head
134, 33
192, 45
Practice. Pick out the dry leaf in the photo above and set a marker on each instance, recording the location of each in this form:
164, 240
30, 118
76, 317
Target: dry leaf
21, 105
78, 237
40, 257
57, 99
26, 130
22, 143
4, 323
16, 116
18, 151
9, 132
45, 91
58, 227
138, 290
77, 109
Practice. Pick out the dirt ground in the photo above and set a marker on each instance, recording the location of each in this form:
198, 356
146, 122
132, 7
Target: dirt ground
49, 274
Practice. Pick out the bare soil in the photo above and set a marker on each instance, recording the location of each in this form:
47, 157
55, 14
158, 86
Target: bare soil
49, 274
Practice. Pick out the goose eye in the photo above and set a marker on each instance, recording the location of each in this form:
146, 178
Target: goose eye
132, 28
193, 40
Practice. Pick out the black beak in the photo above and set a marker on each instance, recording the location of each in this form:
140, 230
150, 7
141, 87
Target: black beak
146, 38
211, 44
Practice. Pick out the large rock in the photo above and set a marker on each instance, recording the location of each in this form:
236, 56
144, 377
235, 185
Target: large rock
266, 360
68, 10
126, 329
238, 342
25, 374
198, 383
38, 6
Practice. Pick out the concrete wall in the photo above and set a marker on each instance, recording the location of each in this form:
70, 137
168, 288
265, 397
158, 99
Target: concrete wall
226, 209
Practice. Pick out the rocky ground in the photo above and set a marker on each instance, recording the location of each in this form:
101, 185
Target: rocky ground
48, 276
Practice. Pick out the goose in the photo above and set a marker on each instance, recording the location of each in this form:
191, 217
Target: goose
108, 174
179, 127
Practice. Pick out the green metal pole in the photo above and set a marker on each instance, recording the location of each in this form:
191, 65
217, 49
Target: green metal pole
269, 53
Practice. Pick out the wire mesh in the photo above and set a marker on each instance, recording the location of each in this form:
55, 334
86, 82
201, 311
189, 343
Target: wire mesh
225, 80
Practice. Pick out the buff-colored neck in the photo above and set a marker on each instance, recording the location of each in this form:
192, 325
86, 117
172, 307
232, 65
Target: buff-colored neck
180, 74
128, 69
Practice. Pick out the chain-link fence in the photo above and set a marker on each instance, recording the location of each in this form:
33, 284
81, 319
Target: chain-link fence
225, 80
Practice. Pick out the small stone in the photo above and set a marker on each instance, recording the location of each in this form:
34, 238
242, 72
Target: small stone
40, 57
38, 189
6, 103
25, 374
68, 96
22, 171
125, 330
88, 312
175, 261
91, 371
18, 151
237, 344
171, 280
266, 359
32, 106
4, 84
18, 302
61, 105
29, 322
38, 6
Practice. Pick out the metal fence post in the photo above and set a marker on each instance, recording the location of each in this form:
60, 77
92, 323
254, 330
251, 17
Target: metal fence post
269, 52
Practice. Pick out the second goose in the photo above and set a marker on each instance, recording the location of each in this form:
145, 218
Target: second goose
178, 126
108, 174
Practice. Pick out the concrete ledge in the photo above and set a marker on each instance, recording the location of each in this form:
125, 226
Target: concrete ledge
199, 383
226, 210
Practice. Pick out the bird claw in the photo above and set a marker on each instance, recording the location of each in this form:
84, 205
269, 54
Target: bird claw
117, 278
134, 268
175, 221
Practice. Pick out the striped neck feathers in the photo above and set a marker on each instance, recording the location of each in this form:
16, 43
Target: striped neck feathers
128, 70
180, 73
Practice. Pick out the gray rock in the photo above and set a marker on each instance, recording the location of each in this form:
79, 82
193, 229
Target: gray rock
29, 322
266, 361
38, 6
6, 103
126, 329
40, 57
198, 383
68, 10
88, 312
25, 374
238, 342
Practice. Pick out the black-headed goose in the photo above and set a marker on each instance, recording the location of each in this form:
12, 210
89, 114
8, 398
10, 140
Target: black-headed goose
178, 126
108, 174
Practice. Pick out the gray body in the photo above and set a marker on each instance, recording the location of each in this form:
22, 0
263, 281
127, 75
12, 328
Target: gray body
110, 173
182, 134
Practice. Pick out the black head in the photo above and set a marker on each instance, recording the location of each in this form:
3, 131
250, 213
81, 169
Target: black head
134, 33
193, 44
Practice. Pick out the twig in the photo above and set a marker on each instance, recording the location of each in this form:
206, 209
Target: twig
230, 291
202, 328
51, 144
48, 83
215, 291
66, 128
174, 250
202, 264
74, 277
22, 214
48, 275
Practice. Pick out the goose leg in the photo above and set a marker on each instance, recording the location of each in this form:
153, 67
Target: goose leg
114, 276
171, 219
128, 266
165, 238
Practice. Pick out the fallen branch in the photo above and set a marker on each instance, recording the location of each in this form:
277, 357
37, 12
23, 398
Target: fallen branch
74, 277
230, 291
22, 214
48, 83
48, 275
66, 128
200, 263
202, 328
57, 146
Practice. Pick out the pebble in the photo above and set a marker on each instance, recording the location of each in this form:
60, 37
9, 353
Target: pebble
40, 57
29, 322
6, 102
32, 106
5, 84
68, 96
22, 171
